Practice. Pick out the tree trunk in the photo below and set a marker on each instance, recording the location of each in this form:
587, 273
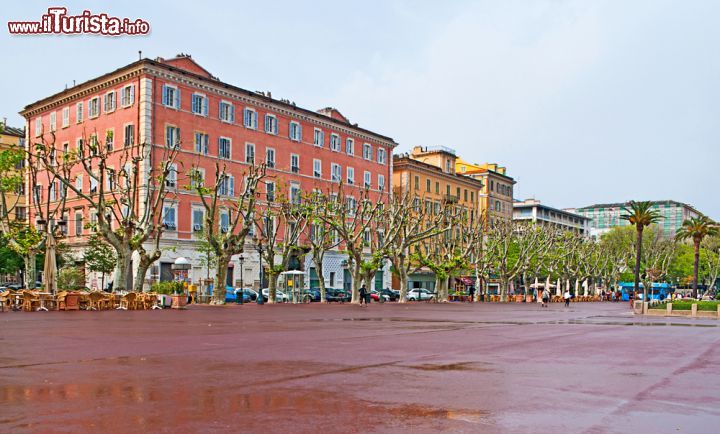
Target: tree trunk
357, 278
30, 270
403, 274
638, 255
219, 291
318, 259
503, 289
441, 289
272, 286
123, 277
695, 268
140, 277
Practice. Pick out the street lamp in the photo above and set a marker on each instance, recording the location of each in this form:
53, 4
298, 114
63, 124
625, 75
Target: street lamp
259, 247
241, 259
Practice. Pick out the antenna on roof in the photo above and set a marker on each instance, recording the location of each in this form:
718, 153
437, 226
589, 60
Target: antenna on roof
73, 83
139, 54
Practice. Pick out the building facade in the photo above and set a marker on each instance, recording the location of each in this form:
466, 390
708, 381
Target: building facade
533, 210
496, 199
607, 216
427, 174
13, 138
176, 102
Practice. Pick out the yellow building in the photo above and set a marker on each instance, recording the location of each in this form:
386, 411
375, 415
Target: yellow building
428, 174
14, 138
496, 197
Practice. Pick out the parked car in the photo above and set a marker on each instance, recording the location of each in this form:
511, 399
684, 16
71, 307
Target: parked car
314, 294
419, 294
375, 295
280, 297
336, 294
249, 294
391, 294
232, 294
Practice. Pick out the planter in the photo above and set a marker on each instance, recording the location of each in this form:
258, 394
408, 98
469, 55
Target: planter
519, 298
164, 300
72, 301
179, 301
528, 299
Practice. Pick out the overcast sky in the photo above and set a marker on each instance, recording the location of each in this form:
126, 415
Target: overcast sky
583, 101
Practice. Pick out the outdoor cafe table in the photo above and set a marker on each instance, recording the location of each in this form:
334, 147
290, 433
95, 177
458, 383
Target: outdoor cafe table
44, 296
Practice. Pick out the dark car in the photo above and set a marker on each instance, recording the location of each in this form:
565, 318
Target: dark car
336, 294
390, 294
314, 294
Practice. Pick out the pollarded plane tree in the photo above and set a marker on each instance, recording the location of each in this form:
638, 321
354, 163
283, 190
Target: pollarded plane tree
228, 214
536, 264
280, 228
351, 217
127, 188
712, 260
658, 253
408, 223
321, 237
447, 253
48, 200
516, 242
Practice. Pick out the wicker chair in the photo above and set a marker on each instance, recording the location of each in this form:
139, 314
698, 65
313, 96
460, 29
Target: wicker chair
108, 301
30, 300
97, 300
127, 301
60, 300
5, 299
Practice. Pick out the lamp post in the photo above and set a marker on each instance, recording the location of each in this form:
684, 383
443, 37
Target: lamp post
241, 259
259, 247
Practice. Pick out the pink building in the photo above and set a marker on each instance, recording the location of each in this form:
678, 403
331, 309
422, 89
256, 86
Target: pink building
177, 102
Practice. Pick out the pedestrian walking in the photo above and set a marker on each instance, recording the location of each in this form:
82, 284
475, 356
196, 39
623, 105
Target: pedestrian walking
363, 293
545, 297
566, 296
471, 291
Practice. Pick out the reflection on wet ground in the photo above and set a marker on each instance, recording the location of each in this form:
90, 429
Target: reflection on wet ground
420, 368
153, 407
589, 321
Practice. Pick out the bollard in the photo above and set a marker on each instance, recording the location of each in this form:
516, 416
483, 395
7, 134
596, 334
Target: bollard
669, 308
693, 310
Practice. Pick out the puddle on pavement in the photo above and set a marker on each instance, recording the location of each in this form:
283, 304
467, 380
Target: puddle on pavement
462, 366
416, 410
144, 406
523, 323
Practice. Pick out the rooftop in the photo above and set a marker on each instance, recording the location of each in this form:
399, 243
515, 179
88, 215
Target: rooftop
11, 131
530, 203
624, 204
184, 64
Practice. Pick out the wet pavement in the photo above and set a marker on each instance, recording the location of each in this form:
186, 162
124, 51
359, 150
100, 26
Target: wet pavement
388, 368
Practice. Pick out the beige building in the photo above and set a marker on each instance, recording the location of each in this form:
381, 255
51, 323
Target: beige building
429, 174
15, 202
496, 197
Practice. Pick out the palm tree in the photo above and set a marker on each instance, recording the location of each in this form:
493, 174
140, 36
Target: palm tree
697, 228
640, 215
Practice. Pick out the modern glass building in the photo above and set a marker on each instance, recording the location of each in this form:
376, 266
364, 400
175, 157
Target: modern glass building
607, 215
